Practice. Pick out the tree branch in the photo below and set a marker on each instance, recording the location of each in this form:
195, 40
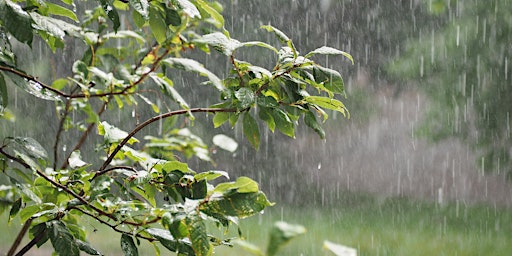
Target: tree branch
149, 121
114, 227
19, 237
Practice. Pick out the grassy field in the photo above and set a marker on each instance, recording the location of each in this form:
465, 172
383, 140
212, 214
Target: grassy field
374, 227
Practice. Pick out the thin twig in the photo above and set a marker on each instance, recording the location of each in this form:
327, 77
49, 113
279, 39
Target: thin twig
19, 237
114, 227
149, 121
84, 135
59, 132
31, 244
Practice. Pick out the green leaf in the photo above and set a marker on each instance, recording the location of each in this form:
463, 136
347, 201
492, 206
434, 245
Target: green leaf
280, 234
312, 122
111, 12
125, 34
331, 79
128, 246
166, 85
328, 103
326, 50
210, 175
62, 240
189, 8
75, 160
113, 134
149, 102
280, 35
141, 7
169, 242
32, 87
61, 11
251, 130
87, 248
29, 146
245, 97
15, 208
54, 27
216, 16
219, 118
16, 21
240, 205
260, 44
220, 42
41, 230
3, 95
265, 115
225, 142
172, 17
241, 185
194, 66
157, 24
198, 235
175, 166
283, 122
339, 250
248, 247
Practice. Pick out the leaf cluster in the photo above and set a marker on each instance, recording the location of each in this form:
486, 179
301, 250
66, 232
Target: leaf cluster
142, 189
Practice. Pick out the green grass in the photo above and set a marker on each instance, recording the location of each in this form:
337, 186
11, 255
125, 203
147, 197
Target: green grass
374, 227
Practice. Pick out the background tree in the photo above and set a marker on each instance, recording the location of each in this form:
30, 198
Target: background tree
463, 66
143, 189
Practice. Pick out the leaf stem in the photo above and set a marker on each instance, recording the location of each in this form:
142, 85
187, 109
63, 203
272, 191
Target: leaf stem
139, 127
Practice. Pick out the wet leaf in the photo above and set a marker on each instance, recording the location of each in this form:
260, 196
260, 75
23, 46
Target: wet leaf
54, 27
157, 25
33, 87
75, 160
280, 35
113, 134
189, 8
15, 208
241, 185
194, 66
62, 240
312, 122
29, 146
326, 50
220, 118
216, 16
265, 115
338, 249
251, 130
111, 12
220, 42
249, 247
61, 11
280, 234
87, 248
128, 246
125, 34
245, 97
198, 235
16, 21
140, 6
211, 175
328, 103
166, 85
240, 205
283, 122
331, 79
